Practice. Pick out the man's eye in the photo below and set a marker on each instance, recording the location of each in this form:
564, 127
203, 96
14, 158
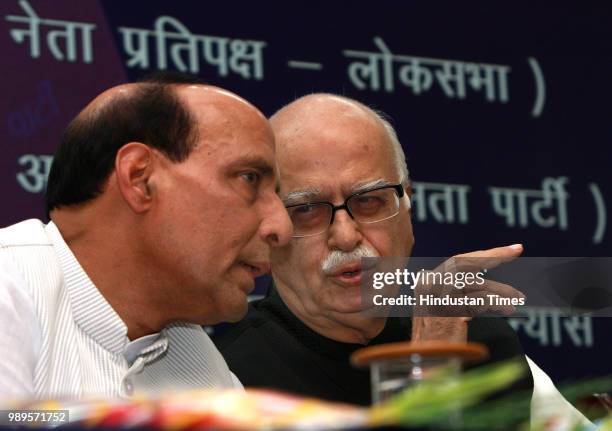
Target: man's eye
369, 200
251, 177
367, 204
305, 209
308, 214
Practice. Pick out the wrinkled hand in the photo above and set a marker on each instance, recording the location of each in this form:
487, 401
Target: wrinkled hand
433, 323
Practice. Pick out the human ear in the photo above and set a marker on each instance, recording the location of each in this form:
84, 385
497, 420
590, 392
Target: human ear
133, 168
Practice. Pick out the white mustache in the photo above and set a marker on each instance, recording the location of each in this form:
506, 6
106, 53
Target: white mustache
337, 258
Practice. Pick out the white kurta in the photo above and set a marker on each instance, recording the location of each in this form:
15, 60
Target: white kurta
59, 337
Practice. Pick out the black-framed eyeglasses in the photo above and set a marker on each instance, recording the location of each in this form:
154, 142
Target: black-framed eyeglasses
369, 206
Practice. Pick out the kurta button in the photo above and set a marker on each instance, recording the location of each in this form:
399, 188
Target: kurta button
129, 387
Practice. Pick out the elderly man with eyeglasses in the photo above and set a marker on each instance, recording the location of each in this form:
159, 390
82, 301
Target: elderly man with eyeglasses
345, 185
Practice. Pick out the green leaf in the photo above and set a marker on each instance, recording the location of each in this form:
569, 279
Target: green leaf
429, 401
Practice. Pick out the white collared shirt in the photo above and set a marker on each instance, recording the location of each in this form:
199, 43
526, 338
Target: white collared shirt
59, 337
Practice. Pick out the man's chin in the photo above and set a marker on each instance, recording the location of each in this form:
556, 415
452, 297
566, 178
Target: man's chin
351, 304
238, 316
236, 310
345, 299
231, 306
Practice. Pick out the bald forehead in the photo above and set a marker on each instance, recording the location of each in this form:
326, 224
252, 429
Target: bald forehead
326, 140
208, 94
215, 108
325, 116
206, 99
320, 106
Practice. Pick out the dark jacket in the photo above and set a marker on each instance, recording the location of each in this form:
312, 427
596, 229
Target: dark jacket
272, 348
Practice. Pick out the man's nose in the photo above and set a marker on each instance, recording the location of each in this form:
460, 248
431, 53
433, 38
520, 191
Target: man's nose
344, 233
276, 228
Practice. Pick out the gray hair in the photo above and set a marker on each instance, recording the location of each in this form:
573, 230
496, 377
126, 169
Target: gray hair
398, 151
